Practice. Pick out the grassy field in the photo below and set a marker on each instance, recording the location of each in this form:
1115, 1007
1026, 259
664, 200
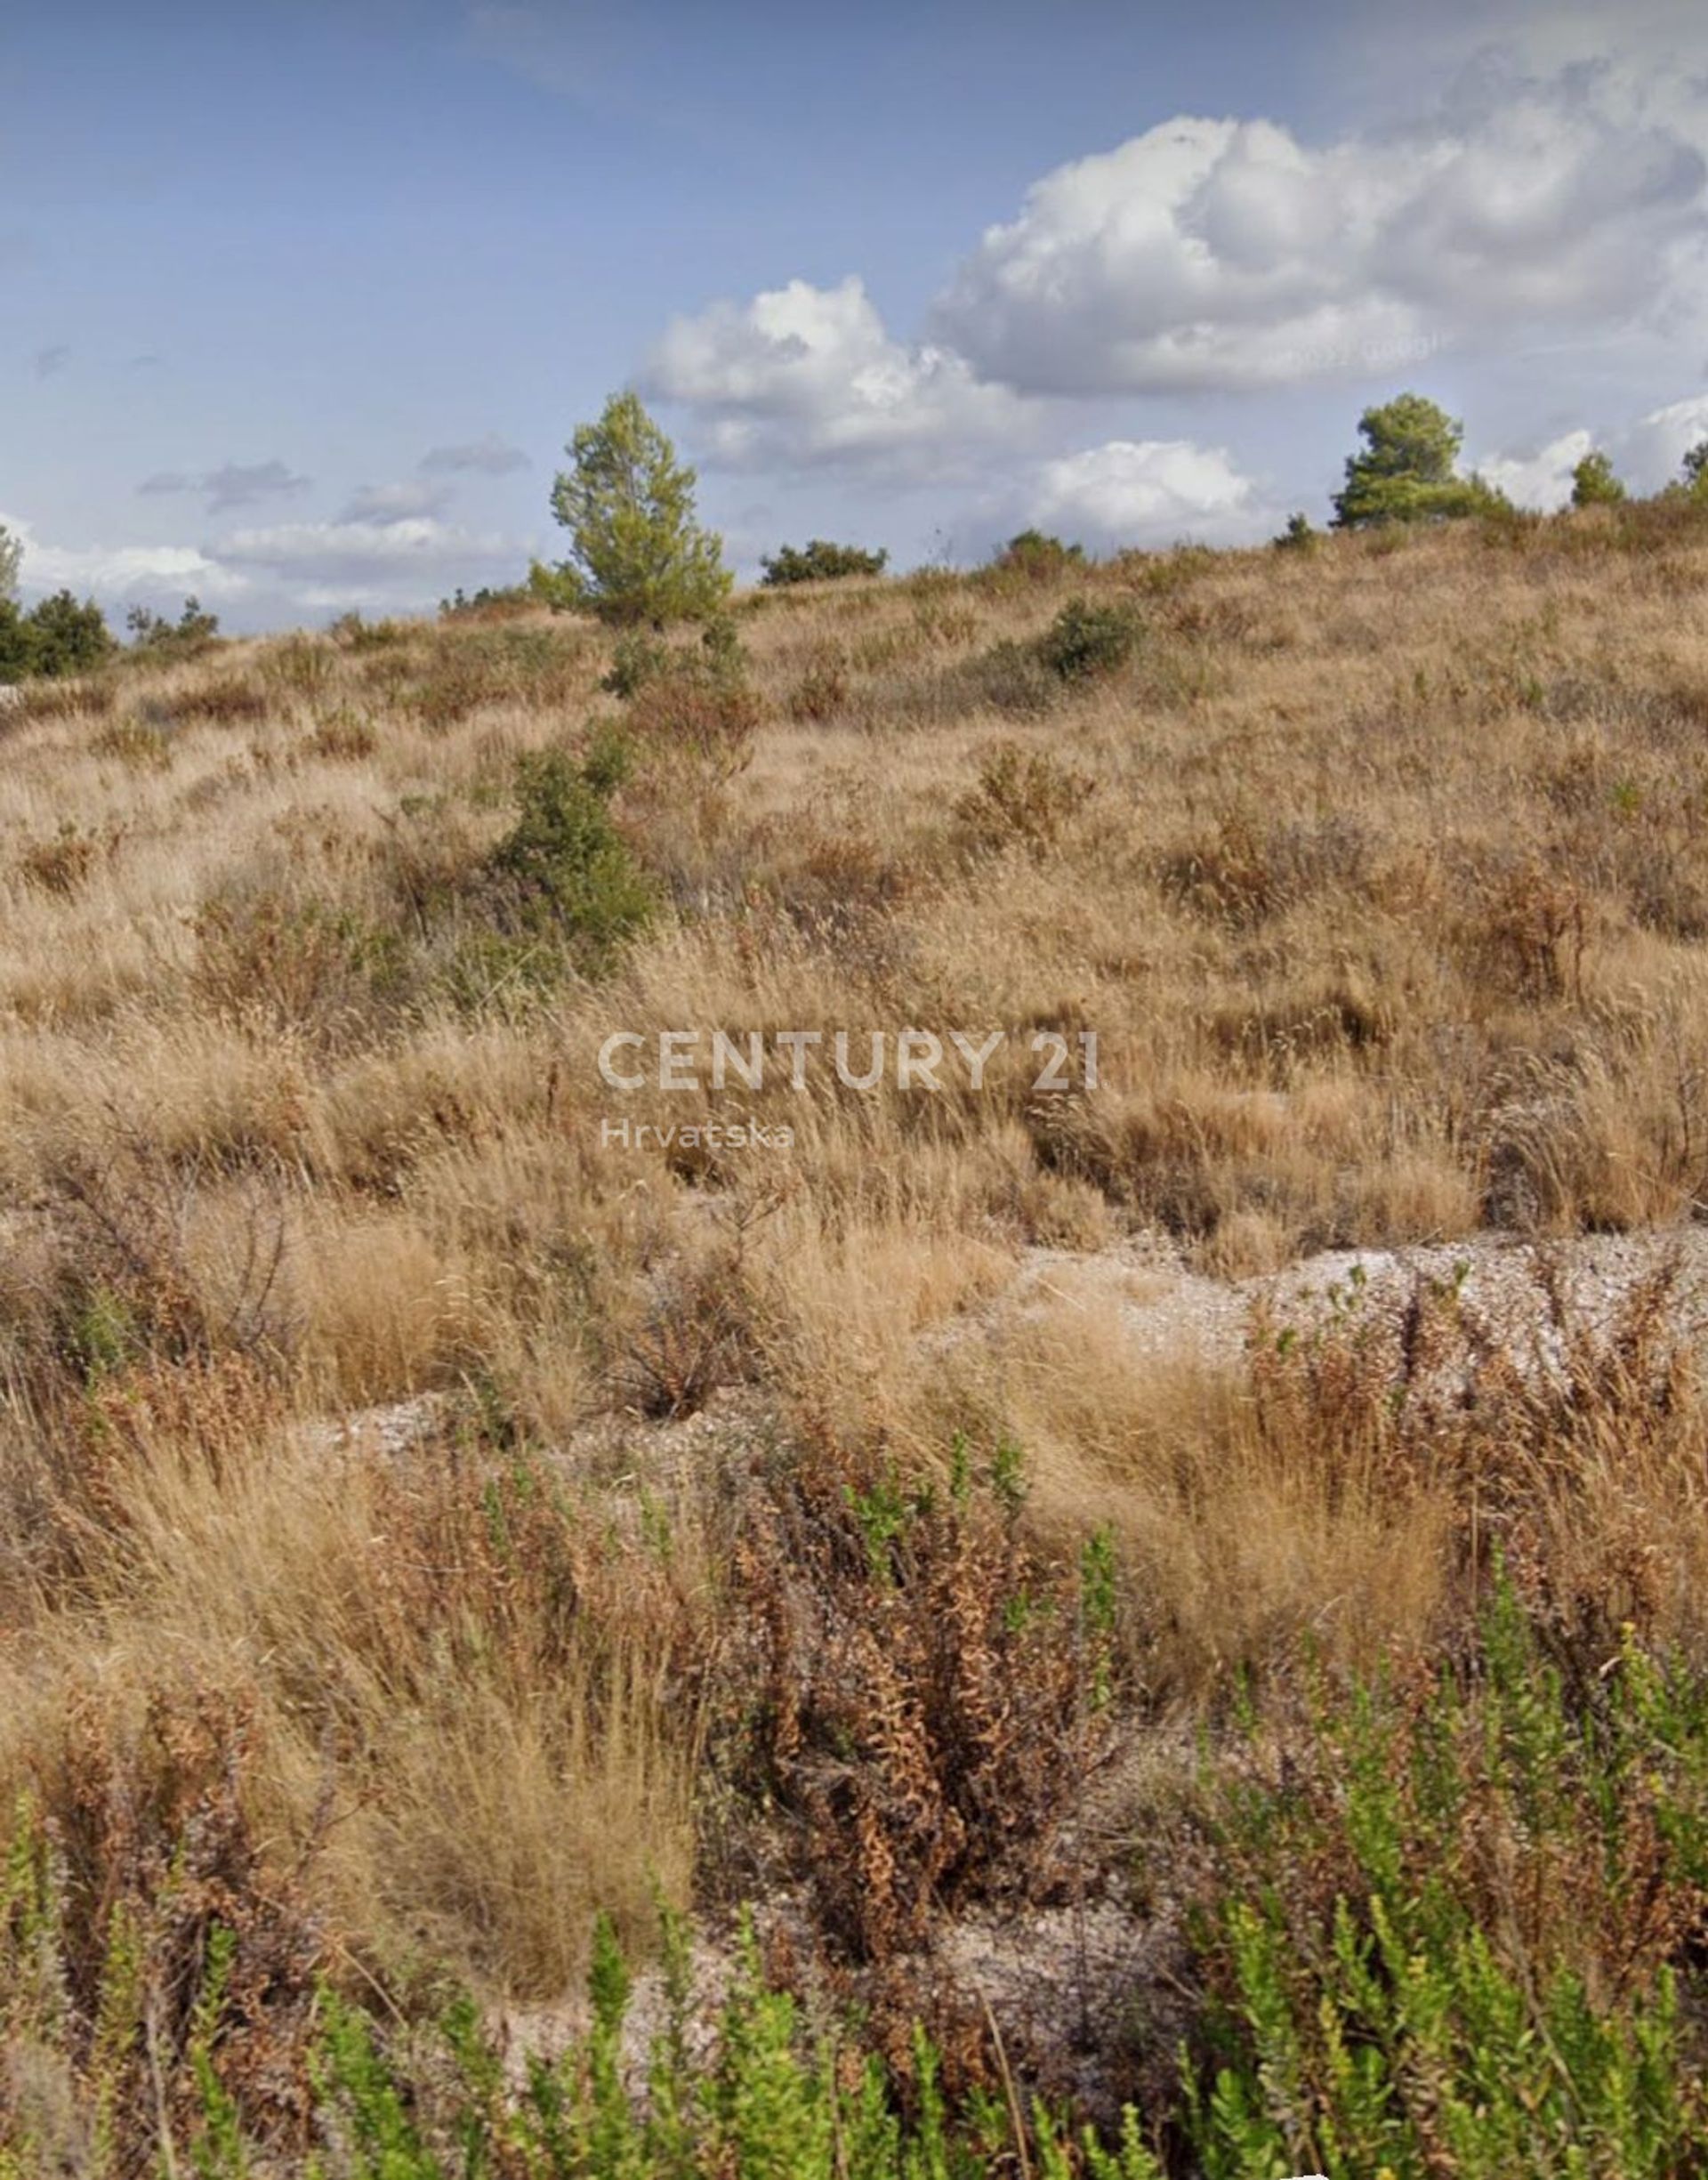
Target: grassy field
432, 1520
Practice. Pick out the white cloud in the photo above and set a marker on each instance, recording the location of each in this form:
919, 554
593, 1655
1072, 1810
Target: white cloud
1645, 455
810, 374
1543, 480
1220, 252
412, 549
1651, 452
1146, 492
126, 572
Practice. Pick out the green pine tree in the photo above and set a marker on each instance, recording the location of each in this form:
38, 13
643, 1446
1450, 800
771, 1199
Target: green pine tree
636, 552
1404, 472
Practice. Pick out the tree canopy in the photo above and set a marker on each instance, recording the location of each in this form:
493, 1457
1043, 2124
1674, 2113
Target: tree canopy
1404, 472
636, 552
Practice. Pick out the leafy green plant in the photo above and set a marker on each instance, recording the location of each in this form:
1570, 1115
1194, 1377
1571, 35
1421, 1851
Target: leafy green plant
1404, 472
638, 658
1086, 642
56, 637
1299, 536
1594, 483
636, 552
187, 637
1038, 557
818, 562
564, 868
1449, 1923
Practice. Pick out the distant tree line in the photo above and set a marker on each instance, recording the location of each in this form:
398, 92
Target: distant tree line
638, 556
64, 634
1407, 470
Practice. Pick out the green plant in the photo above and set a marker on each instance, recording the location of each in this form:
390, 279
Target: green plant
1594, 484
818, 562
636, 552
1448, 1921
564, 867
185, 638
1086, 642
1404, 470
489, 602
12, 555
1038, 557
1299, 535
56, 637
638, 658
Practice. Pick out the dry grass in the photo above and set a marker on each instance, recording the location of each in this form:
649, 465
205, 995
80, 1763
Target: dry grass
1377, 874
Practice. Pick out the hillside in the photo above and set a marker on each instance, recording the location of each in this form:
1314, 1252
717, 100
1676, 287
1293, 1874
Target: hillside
449, 1494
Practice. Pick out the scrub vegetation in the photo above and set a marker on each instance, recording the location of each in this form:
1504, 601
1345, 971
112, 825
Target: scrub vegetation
453, 1563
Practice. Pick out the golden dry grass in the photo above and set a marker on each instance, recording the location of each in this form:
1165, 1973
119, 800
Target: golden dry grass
1379, 872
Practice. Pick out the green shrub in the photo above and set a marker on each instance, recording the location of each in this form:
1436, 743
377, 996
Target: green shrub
187, 637
1450, 1921
489, 604
564, 870
1404, 473
819, 561
1086, 641
1299, 535
1594, 484
638, 659
1038, 557
57, 637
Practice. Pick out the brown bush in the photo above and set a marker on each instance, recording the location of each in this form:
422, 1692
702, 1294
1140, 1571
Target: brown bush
926, 1714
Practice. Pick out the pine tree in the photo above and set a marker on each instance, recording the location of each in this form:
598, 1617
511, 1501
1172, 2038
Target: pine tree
1404, 470
636, 552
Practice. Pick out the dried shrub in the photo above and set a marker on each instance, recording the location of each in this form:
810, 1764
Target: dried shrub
140, 741
300, 665
62, 865
262, 956
344, 736
1024, 798
699, 717
927, 1692
150, 1945
1010, 678
222, 701
823, 691
1524, 931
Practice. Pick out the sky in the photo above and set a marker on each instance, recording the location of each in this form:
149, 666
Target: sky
299, 299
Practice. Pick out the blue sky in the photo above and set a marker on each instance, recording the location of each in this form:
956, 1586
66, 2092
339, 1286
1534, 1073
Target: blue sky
298, 302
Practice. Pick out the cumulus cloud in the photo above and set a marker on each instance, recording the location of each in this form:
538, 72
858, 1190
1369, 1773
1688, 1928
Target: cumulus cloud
1646, 454
121, 572
1213, 253
1543, 480
1146, 492
233, 485
810, 374
1652, 451
491, 456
